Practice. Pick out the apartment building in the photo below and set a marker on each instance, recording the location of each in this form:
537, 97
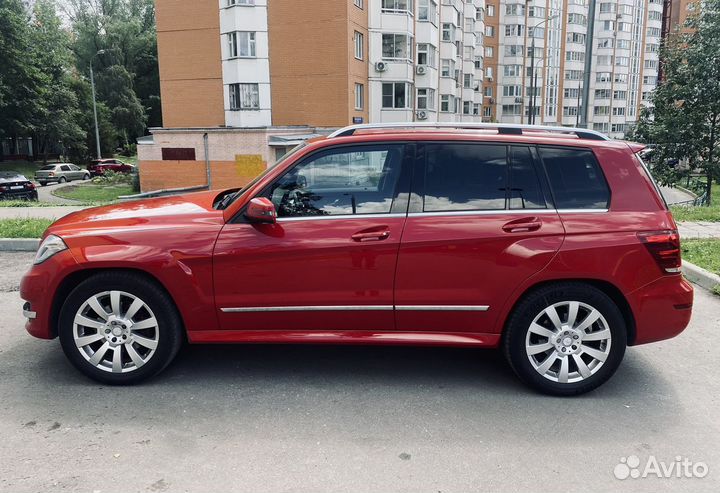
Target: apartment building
539, 64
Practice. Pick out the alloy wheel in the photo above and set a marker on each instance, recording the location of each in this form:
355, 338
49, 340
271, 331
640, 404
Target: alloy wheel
116, 331
568, 342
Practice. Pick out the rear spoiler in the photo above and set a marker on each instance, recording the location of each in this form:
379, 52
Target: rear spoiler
636, 147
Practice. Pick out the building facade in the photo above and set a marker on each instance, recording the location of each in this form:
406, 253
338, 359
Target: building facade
541, 69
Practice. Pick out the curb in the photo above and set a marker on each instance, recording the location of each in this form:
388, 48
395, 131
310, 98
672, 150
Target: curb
19, 244
701, 277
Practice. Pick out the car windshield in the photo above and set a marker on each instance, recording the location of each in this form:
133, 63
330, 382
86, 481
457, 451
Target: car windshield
234, 196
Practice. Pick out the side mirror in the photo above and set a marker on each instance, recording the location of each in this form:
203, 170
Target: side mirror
261, 210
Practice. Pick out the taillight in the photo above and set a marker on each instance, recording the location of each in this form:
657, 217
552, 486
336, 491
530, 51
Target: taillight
51, 174
30, 185
3, 189
664, 246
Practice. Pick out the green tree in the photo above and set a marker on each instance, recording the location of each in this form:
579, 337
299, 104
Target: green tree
684, 120
58, 120
20, 81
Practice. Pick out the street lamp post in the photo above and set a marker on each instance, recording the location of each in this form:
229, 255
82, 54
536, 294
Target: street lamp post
92, 85
533, 75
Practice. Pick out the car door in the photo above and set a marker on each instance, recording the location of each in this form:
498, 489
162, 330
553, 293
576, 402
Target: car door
479, 224
65, 171
329, 261
76, 173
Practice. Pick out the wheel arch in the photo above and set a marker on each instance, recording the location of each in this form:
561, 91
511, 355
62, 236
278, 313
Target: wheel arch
612, 291
72, 280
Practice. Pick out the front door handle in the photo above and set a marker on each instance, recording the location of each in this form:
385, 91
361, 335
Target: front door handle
523, 225
372, 234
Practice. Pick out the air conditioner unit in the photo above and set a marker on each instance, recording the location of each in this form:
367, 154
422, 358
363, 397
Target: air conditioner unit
421, 115
518, 100
421, 69
489, 77
381, 66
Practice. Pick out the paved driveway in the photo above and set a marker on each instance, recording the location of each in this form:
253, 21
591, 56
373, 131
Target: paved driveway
45, 193
371, 419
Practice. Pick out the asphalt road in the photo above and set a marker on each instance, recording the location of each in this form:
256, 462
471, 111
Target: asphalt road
45, 193
370, 419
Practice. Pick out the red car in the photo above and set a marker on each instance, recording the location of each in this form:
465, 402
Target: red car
553, 244
98, 167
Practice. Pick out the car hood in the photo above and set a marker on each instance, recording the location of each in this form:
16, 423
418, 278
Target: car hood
173, 212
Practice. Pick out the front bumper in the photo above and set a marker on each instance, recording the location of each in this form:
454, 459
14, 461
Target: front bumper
662, 309
38, 289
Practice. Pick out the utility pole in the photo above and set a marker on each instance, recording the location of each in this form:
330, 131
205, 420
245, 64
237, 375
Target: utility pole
92, 85
589, 41
533, 74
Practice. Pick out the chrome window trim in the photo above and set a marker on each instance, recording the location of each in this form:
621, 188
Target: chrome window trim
314, 308
493, 212
582, 211
341, 216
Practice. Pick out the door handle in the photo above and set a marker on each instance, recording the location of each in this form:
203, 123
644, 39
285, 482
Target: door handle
523, 225
371, 235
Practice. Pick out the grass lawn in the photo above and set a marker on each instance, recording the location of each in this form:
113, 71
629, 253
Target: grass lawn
711, 214
93, 192
23, 228
705, 253
25, 203
23, 167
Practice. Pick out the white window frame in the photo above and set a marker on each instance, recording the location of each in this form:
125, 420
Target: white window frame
430, 7
430, 52
428, 98
396, 6
240, 3
359, 4
408, 95
359, 96
235, 44
359, 40
236, 103
408, 40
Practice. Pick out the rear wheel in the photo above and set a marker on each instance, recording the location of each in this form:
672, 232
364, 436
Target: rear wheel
565, 339
62, 179
119, 328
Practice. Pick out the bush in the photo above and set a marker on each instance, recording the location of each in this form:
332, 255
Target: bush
113, 178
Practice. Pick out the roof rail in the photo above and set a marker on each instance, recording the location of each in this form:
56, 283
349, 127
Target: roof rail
502, 128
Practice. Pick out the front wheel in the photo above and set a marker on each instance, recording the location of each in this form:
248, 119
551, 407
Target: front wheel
86, 176
119, 328
565, 339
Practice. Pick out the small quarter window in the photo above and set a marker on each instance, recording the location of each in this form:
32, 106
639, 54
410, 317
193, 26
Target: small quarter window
576, 179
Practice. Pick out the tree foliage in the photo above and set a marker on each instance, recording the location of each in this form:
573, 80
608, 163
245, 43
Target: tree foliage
684, 119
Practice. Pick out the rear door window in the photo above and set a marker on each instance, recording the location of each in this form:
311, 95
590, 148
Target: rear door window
465, 177
576, 180
65, 167
525, 189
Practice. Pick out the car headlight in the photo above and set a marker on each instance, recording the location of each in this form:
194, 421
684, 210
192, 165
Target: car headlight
49, 247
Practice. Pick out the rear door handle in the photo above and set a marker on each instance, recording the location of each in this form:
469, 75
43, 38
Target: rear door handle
523, 225
372, 234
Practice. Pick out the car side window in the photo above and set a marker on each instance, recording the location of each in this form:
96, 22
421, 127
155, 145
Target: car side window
357, 180
64, 167
576, 180
465, 177
74, 168
525, 189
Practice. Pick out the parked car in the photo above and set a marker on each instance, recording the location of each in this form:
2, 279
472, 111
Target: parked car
14, 186
550, 243
61, 173
98, 167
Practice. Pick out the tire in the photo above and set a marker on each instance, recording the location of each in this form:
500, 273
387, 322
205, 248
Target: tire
580, 356
43, 183
154, 345
86, 176
62, 179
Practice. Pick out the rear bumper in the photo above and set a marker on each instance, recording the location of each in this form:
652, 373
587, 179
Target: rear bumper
662, 309
20, 195
38, 289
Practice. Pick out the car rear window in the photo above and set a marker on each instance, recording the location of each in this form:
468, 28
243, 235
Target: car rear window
49, 167
576, 179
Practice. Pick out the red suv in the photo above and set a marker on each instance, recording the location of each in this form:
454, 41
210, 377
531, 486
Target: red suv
552, 244
98, 167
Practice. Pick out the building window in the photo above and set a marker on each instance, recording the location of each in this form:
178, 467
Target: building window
512, 70
650, 79
490, 10
359, 4
651, 64
601, 110
447, 103
619, 94
602, 93
511, 109
487, 111
576, 38
426, 98
469, 25
570, 110
427, 11
448, 32
489, 73
489, 51
476, 109
512, 91
242, 44
359, 96
573, 75
605, 43
603, 77
397, 6
244, 96
623, 44
577, 19
653, 31
515, 9
604, 59
489, 31
514, 30
607, 8
396, 95
621, 78
396, 47
359, 45
571, 92
622, 61
608, 25
536, 12
447, 67
467, 81
488, 91
576, 56
467, 107
426, 54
